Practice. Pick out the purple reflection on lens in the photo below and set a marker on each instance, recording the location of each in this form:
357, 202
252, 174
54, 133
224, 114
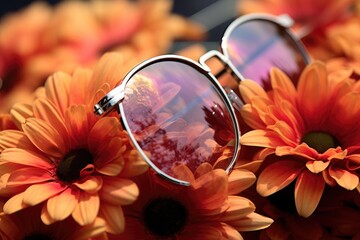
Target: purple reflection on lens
254, 47
178, 117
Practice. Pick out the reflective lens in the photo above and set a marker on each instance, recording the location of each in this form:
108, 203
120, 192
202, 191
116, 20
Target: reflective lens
255, 46
178, 118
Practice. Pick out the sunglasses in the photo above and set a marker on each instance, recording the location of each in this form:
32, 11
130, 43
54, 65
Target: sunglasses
178, 115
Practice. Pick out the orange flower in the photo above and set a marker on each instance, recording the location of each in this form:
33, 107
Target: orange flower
25, 225
74, 163
308, 134
205, 210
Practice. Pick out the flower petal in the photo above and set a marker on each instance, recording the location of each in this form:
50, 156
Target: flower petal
239, 207
20, 112
80, 77
282, 85
57, 89
91, 184
252, 222
45, 137
277, 176
15, 204
134, 164
312, 99
114, 218
14, 138
45, 110
249, 89
210, 189
23, 157
104, 128
78, 122
285, 133
309, 188
182, 172
239, 180
251, 117
111, 161
62, 205
87, 209
344, 178
317, 166
261, 138
38, 193
346, 109
28, 175
119, 191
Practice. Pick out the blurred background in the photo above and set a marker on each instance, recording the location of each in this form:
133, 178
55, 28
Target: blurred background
213, 14
38, 38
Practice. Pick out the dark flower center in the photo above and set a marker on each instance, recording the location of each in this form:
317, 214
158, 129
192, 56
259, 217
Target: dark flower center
37, 236
165, 216
320, 141
69, 168
284, 199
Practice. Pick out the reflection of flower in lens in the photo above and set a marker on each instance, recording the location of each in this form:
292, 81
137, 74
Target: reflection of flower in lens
23, 225
205, 210
308, 134
65, 157
158, 114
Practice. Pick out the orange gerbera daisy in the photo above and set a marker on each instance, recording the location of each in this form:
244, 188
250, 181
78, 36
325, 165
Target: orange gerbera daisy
205, 210
23, 225
308, 133
74, 164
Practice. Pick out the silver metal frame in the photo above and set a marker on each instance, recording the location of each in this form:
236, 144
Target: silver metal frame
115, 96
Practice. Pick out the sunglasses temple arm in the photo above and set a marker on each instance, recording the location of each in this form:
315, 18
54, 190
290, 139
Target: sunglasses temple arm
109, 101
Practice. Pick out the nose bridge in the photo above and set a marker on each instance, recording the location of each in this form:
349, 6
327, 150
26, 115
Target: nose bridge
214, 54
226, 68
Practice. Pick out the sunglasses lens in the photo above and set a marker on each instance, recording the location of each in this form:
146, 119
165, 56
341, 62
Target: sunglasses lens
178, 118
254, 47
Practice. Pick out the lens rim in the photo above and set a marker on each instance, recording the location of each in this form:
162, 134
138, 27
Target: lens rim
206, 72
262, 17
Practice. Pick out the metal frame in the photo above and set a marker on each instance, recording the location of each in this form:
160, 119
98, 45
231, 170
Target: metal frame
115, 96
210, 77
